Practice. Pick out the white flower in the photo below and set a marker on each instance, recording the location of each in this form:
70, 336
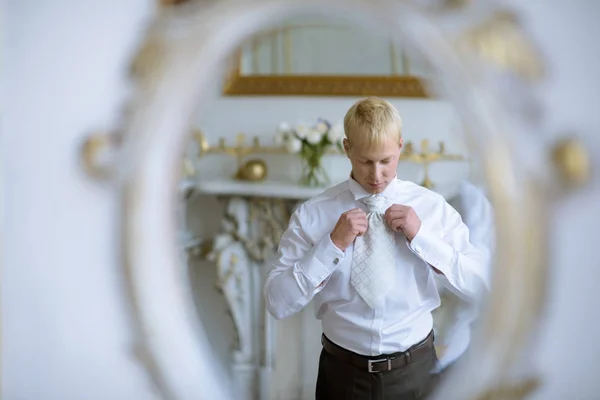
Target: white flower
314, 136
322, 127
302, 131
293, 145
336, 133
283, 127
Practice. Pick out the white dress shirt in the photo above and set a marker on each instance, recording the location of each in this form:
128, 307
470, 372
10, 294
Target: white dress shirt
308, 265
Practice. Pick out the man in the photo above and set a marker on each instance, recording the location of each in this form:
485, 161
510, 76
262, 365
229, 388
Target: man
366, 251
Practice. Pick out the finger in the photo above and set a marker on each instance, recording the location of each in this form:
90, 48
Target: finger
359, 232
389, 222
360, 212
360, 226
398, 210
361, 217
357, 217
388, 218
396, 207
388, 212
392, 224
398, 225
351, 214
401, 207
391, 208
396, 218
396, 215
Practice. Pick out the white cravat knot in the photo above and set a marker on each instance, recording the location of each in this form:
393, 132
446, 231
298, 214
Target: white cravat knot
373, 261
375, 203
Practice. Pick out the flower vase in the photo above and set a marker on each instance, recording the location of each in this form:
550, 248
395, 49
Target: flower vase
313, 173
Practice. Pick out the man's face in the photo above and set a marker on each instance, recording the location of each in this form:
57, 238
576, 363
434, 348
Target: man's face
374, 167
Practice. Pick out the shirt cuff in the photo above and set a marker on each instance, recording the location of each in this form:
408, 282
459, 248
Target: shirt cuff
432, 250
325, 259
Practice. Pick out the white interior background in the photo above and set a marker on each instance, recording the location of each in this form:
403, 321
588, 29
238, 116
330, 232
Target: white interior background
67, 332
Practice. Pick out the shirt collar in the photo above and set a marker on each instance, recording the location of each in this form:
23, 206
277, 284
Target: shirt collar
390, 192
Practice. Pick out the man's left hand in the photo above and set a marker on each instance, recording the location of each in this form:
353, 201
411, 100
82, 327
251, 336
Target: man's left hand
403, 219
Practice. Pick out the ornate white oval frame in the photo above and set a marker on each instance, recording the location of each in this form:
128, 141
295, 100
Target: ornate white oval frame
176, 66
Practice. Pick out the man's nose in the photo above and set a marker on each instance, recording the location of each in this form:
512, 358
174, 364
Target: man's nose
376, 171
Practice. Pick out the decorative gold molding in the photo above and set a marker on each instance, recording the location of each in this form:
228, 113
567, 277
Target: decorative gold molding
172, 2
237, 84
96, 155
325, 85
572, 161
500, 40
520, 390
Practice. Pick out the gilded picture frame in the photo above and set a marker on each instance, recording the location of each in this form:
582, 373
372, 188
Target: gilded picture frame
237, 84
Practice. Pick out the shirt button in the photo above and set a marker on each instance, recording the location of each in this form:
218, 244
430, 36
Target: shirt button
336, 261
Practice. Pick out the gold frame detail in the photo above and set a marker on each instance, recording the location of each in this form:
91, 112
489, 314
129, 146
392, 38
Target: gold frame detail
237, 84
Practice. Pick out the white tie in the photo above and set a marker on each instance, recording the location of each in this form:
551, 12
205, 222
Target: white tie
373, 261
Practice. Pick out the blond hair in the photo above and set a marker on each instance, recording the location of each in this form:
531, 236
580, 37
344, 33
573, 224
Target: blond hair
371, 121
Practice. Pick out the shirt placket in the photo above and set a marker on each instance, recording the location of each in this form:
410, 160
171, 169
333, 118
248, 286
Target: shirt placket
377, 326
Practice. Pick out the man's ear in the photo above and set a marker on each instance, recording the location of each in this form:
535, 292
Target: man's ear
346, 144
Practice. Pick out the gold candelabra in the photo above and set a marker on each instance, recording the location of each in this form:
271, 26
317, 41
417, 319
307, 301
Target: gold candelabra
241, 149
426, 157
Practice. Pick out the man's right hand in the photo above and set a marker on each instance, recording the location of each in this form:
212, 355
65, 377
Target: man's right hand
351, 224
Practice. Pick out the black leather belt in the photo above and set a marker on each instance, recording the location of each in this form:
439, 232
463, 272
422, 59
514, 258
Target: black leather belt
385, 363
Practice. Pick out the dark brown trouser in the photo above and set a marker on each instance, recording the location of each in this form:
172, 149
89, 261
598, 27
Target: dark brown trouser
339, 380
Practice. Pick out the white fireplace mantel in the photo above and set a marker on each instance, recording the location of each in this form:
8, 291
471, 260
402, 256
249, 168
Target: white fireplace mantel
271, 189
275, 189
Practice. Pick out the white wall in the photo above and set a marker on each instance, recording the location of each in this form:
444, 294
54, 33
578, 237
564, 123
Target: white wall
67, 329
568, 349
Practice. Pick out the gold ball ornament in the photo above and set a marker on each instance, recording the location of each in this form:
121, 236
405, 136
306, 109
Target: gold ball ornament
252, 170
572, 161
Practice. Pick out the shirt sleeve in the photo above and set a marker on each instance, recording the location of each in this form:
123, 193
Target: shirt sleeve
300, 270
464, 265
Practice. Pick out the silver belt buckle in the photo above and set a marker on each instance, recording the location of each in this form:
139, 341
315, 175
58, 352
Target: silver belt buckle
371, 362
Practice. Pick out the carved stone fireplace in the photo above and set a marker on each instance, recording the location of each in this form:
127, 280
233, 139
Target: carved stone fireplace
255, 216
